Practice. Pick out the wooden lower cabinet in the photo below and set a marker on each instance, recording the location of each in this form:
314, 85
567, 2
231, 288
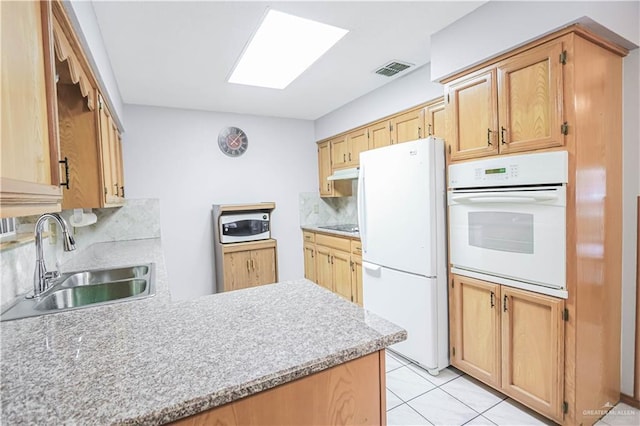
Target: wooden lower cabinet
511, 339
248, 265
352, 393
335, 263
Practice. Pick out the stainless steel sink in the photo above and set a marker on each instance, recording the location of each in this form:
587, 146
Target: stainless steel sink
84, 289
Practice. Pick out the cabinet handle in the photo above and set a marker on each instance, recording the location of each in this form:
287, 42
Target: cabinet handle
352, 268
489, 137
328, 259
349, 156
419, 132
493, 303
312, 256
502, 130
248, 267
429, 129
344, 158
504, 303
328, 189
332, 260
66, 172
253, 265
116, 186
122, 189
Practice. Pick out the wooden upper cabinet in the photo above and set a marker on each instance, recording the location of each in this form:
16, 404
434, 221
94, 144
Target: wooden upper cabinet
533, 350
514, 105
408, 126
471, 116
339, 152
379, 134
434, 117
110, 158
29, 178
330, 188
475, 328
357, 141
530, 99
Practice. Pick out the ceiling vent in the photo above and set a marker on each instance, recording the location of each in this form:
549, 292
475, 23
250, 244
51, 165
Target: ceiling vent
392, 68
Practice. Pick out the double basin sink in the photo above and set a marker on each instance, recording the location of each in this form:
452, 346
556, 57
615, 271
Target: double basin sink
83, 289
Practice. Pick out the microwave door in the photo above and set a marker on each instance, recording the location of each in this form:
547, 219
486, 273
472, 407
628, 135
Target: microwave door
242, 228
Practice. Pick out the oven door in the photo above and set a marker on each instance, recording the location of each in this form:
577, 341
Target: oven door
513, 233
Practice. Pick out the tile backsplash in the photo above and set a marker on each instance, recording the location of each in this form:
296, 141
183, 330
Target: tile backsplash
137, 219
315, 210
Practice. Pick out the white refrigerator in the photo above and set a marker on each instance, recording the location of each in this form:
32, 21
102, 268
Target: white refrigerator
401, 217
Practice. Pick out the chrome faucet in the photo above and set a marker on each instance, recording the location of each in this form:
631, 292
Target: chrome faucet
41, 277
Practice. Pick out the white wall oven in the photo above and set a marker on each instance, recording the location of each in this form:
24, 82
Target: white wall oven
247, 226
507, 221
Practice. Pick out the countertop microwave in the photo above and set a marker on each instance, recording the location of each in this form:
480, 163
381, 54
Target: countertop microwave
241, 227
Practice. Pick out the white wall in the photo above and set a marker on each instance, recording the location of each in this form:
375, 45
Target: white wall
85, 23
401, 93
172, 154
498, 26
630, 191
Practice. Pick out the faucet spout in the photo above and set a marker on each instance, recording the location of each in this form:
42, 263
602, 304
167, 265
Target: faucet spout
41, 277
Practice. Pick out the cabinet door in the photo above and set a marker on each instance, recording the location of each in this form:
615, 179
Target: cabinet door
358, 142
28, 136
379, 134
341, 265
237, 270
263, 266
324, 168
533, 350
106, 153
475, 330
408, 126
530, 99
435, 120
356, 279
471, 115
339, 152
324, 271
310, 262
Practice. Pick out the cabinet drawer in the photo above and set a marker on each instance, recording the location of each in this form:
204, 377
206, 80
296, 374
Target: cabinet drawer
356, 247
308, 237
343, 244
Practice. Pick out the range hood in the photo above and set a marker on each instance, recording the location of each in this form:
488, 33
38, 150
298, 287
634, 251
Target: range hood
345, 174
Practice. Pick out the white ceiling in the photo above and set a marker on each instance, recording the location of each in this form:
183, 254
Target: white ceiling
179, 54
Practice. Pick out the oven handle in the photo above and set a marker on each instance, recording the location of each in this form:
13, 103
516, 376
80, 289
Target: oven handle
496, 199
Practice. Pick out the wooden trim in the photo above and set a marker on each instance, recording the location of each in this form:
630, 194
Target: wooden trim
575, 28
247, 207
67, 28
624, 398
636, 390
65, 53
250, 245
383, 387
50, 90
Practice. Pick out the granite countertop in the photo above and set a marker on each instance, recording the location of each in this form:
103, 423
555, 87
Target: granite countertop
314, 228
153, 361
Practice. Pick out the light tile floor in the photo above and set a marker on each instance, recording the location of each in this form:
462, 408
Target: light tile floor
414, 397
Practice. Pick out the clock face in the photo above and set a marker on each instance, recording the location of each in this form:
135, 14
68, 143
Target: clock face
233, 141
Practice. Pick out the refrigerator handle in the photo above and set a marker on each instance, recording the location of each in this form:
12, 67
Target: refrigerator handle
362, 219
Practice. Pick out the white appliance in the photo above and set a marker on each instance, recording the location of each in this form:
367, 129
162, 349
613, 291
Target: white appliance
401, 216
248, 226
507, 221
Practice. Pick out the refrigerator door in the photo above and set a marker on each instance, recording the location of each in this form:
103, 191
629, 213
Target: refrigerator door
396, 206
409, 301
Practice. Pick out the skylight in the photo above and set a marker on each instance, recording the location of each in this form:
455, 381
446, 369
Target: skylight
283, 48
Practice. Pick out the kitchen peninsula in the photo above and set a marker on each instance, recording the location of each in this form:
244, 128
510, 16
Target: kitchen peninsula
155, 361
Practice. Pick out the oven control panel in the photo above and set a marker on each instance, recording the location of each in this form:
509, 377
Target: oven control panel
515, 170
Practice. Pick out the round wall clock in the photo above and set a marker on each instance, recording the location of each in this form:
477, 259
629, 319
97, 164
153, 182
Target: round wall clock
233, 141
